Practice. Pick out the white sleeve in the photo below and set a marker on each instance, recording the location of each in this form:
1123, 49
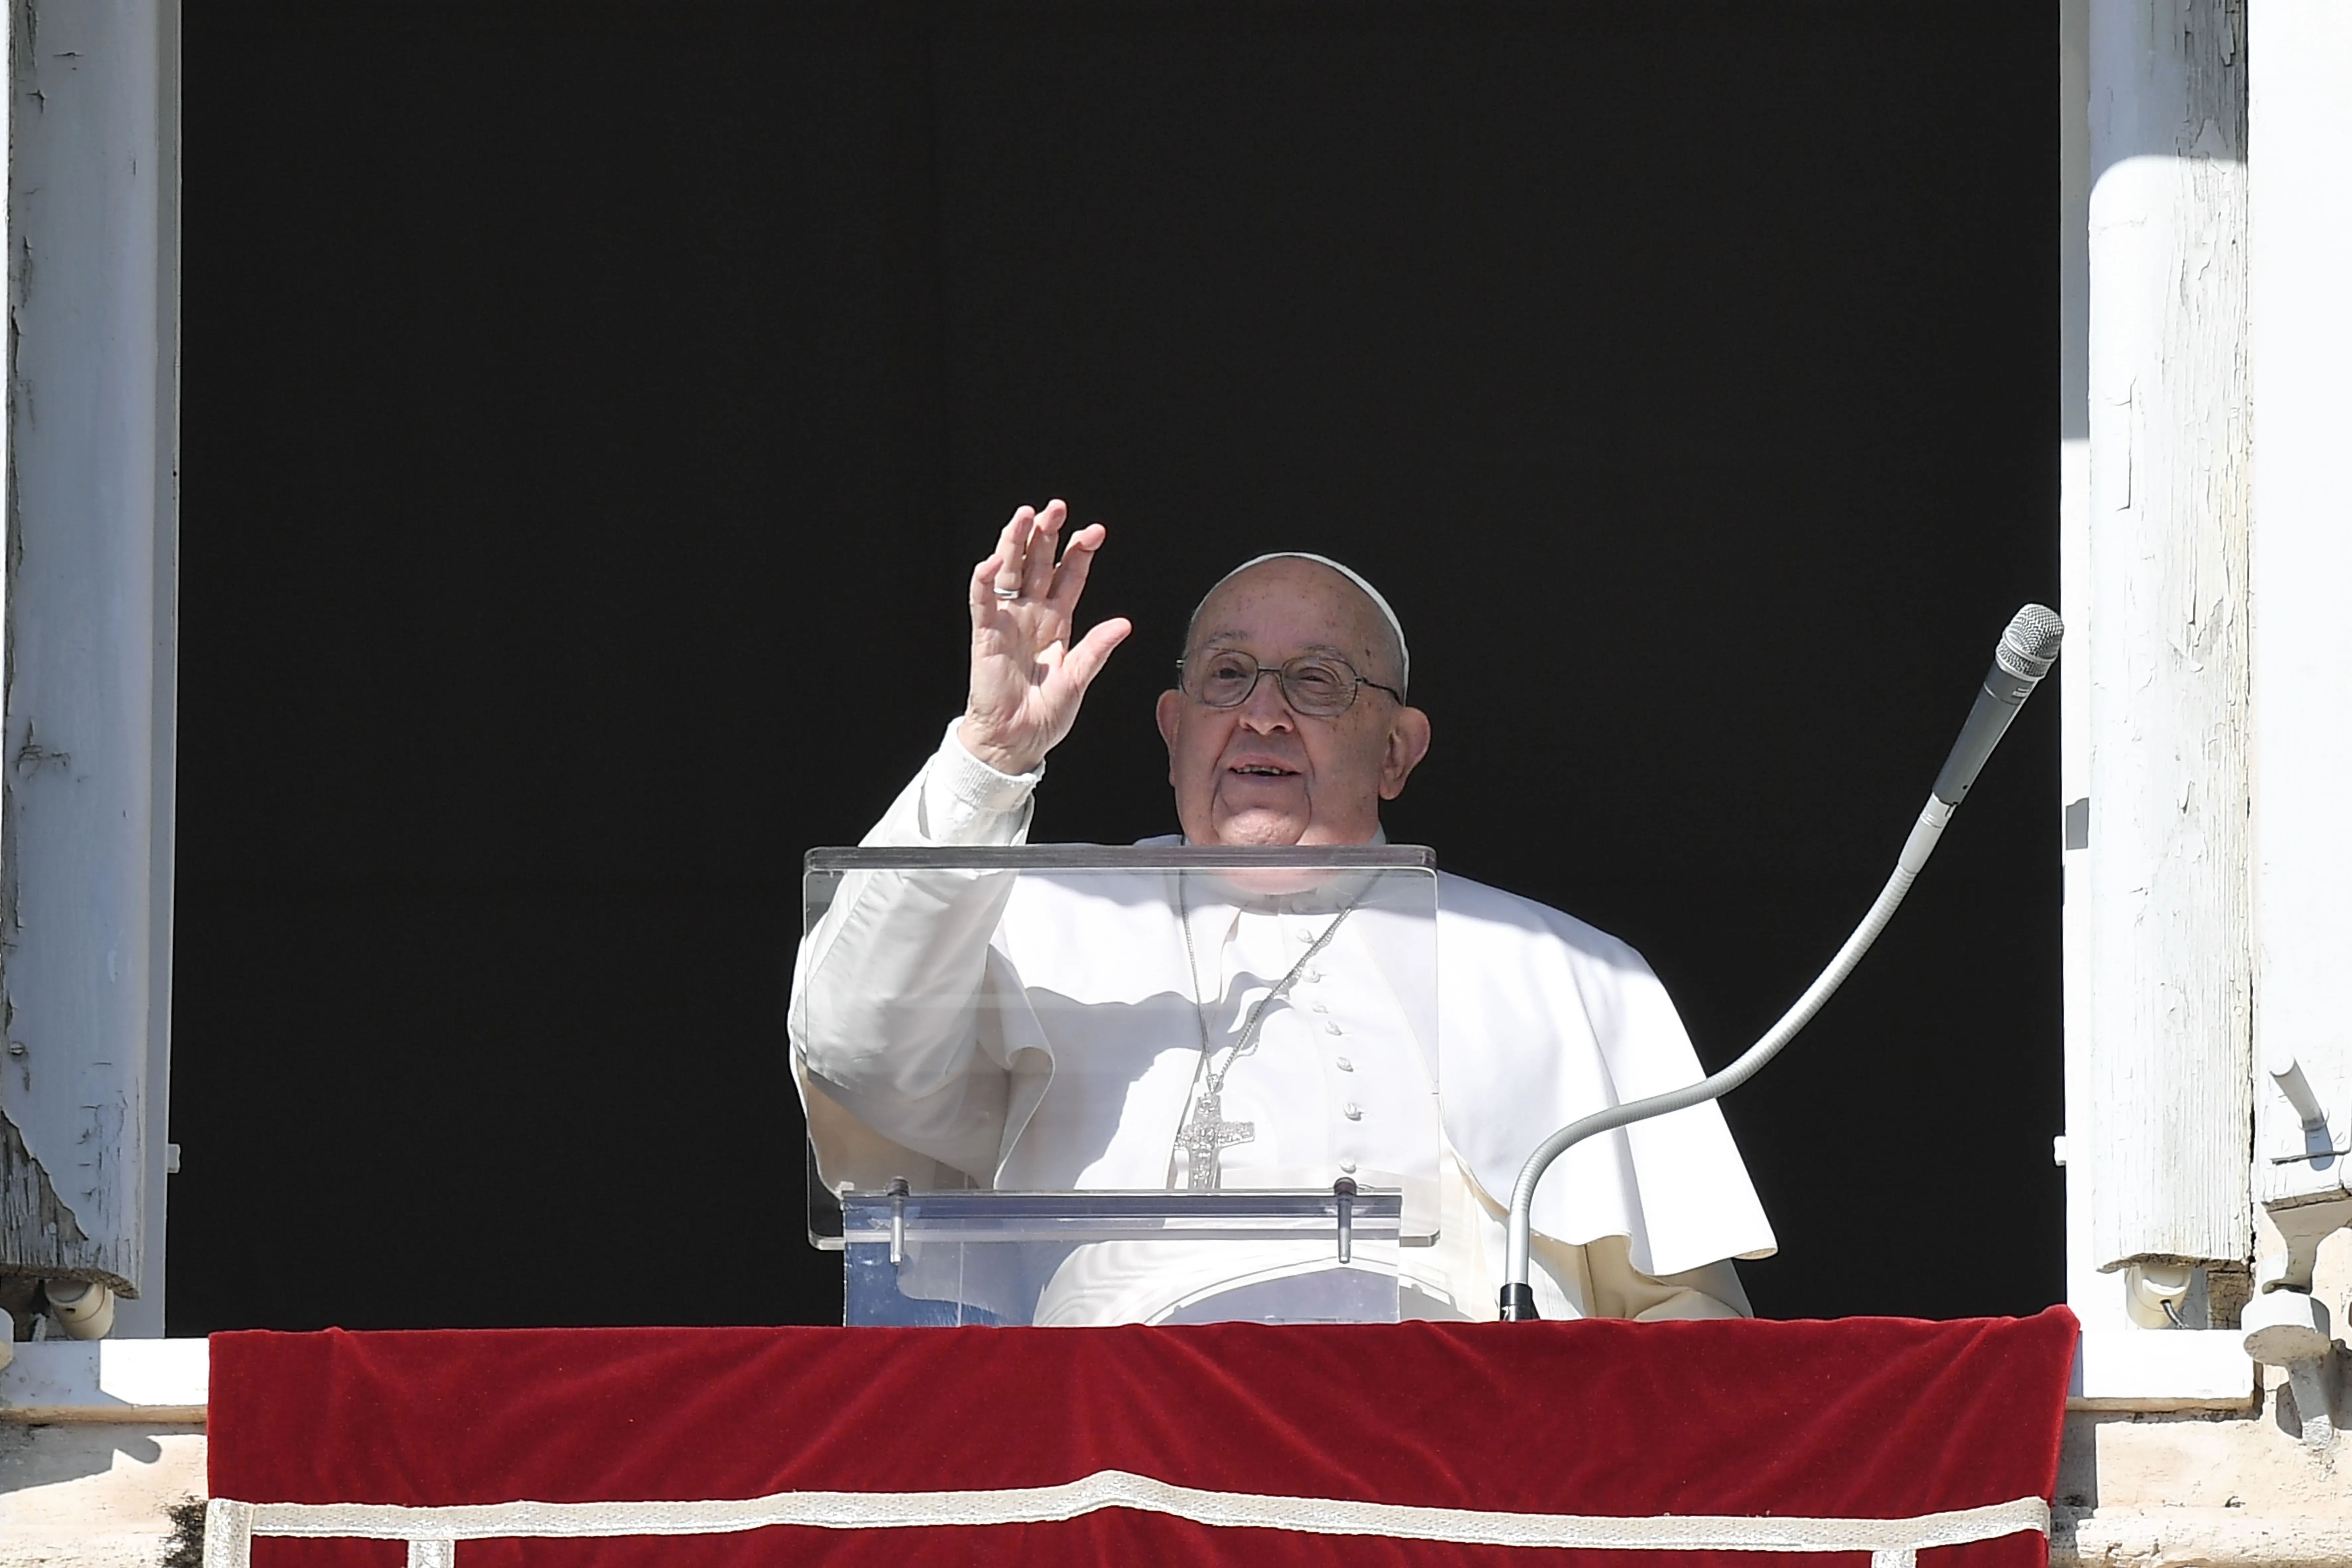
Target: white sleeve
958, 799
887, 988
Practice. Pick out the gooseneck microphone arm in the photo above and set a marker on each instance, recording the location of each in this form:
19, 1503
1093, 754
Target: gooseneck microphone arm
2028, 649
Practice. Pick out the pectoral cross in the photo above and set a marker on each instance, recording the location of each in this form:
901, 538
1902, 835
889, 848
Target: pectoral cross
1207, 1134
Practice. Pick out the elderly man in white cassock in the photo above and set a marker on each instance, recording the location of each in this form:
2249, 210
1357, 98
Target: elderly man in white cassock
1288, 725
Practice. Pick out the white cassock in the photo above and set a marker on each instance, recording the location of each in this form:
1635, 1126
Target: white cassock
1073, 1054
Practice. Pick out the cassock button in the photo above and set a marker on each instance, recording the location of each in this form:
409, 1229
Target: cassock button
1343, 1064
1352, 1112
1347, 1167
1331, 1028
1319, 1007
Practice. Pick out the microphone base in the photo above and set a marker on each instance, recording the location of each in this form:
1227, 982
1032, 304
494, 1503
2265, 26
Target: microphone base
1519, 1304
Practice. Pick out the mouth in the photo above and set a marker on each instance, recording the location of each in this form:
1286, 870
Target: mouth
1263, 771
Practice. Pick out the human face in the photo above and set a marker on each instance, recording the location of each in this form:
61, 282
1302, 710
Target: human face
1262, 773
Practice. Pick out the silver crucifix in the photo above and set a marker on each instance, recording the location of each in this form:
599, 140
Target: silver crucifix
1206, 1136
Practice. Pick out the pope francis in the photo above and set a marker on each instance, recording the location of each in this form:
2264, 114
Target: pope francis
1288, 724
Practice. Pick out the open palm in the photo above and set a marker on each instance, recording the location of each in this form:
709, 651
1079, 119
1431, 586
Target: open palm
1027, 675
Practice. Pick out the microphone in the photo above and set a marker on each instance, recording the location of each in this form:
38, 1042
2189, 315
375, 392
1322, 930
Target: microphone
2028, 649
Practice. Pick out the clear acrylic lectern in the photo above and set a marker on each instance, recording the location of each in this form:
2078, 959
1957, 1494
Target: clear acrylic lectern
1159, 1084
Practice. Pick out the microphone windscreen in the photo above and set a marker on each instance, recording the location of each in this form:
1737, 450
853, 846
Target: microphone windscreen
2029, 646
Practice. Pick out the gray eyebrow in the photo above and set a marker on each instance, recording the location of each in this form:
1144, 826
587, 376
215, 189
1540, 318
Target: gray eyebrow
1334, 648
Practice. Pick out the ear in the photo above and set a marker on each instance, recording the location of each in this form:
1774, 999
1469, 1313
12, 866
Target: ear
1166, 713
1408, 743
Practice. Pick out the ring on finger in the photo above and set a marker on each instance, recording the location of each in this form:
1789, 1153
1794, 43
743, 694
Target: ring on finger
1007, 594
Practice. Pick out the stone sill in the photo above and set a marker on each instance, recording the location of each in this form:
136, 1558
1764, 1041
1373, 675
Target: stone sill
165, 1380
2202, 1537
2162, 1369
143, 1380
2161, 1416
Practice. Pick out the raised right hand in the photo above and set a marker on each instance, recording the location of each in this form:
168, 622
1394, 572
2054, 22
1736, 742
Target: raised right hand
1027, 677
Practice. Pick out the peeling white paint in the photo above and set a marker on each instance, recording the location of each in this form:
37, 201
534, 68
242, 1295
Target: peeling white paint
91, 506
2166, 1089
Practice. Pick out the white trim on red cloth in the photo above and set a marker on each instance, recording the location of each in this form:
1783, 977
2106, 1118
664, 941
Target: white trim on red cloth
432, 1532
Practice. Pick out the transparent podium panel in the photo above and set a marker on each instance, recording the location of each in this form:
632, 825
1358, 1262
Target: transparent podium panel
1070, 1084
1079, 1258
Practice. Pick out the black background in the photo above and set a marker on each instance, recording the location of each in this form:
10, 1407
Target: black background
592, 413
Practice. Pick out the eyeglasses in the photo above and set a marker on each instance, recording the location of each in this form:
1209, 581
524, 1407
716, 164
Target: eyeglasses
1314, 684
